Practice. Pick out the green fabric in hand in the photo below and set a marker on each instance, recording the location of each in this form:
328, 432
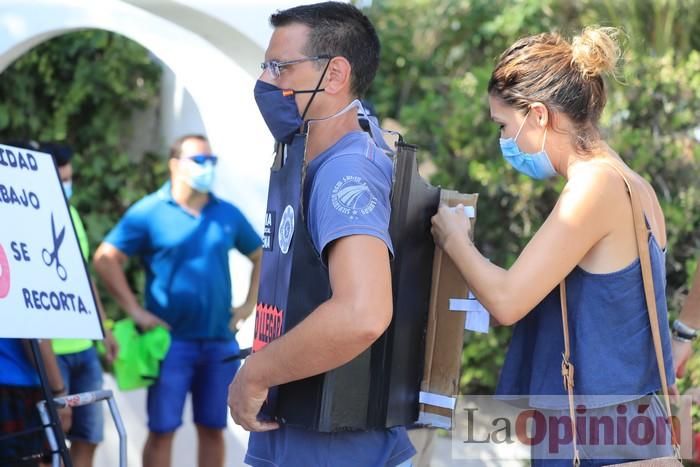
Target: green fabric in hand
140, 354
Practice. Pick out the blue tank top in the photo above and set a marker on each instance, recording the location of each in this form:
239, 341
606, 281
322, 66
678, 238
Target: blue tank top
611, 344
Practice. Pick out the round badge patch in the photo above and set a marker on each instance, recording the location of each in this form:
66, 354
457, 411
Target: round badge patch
351, 196
4, 274
286, 229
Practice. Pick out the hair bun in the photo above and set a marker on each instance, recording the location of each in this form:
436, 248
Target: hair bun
596, 51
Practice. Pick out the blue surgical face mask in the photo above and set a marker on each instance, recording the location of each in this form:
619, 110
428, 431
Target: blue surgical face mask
278, 108
67, 189
198, 176
537, 165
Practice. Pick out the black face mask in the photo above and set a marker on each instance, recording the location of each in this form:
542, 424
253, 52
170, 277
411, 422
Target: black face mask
278, 108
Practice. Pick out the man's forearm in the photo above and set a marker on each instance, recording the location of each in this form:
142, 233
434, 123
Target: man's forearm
112, 274
690, 314
53, 374
252, 297
328, 338
98, 300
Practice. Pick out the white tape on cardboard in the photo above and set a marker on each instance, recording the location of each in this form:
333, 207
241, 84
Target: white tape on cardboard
468, 210
464, 304
437, 400
434, 420
478, 320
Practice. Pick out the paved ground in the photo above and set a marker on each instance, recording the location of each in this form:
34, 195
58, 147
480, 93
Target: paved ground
132, 406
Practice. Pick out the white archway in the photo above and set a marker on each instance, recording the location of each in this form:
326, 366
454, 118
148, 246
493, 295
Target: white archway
216, 63
220, 86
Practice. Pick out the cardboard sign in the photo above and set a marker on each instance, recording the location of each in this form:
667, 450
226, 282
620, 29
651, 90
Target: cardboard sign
44, 287
444, 337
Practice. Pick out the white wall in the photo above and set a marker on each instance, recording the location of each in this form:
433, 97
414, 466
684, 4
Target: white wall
212, 51
204, 64
179, 113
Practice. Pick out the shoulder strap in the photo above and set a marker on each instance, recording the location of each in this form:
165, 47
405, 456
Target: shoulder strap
642, 238
567, 369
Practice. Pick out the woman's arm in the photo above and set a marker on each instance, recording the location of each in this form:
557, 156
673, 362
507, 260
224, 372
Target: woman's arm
587, 210
690, 316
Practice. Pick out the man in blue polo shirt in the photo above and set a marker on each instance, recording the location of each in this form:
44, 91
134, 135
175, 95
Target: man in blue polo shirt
183, 233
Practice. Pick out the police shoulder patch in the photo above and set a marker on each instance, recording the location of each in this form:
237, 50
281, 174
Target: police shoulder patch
353, 197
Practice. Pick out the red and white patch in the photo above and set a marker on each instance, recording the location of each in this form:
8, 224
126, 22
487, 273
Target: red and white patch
268, 325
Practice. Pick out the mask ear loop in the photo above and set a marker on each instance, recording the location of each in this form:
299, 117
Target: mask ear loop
515, 140
305, 130
355, 103
544, 139
315, 91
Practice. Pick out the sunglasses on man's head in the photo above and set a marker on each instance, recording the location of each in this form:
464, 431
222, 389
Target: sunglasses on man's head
202, 159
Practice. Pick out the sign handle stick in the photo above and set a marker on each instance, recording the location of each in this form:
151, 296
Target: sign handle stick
50, 406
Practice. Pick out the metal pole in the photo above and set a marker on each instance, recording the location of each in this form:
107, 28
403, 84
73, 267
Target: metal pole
48, 431
85, 398
120, 429
54, 421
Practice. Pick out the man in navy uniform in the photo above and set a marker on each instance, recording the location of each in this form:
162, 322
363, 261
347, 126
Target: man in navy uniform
320, 60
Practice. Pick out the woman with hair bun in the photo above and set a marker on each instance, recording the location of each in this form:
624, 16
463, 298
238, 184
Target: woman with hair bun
547, 95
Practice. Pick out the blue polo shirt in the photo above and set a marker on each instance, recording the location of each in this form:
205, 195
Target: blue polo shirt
185, 256
16, 368
347, 192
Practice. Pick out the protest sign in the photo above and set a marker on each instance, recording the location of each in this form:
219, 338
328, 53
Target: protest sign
44, 286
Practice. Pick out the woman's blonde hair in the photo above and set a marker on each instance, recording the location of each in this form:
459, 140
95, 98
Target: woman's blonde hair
566, 77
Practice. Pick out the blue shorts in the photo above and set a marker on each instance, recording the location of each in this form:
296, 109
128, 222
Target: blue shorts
192, 366
82, 372
297, 447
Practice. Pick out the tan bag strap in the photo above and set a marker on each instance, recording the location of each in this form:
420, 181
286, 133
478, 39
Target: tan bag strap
567, 370
642, 238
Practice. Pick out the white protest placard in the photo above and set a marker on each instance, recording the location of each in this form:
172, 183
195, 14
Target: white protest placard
44, 287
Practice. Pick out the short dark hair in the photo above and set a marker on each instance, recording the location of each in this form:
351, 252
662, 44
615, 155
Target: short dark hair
176, 147
339, 30
62, 153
